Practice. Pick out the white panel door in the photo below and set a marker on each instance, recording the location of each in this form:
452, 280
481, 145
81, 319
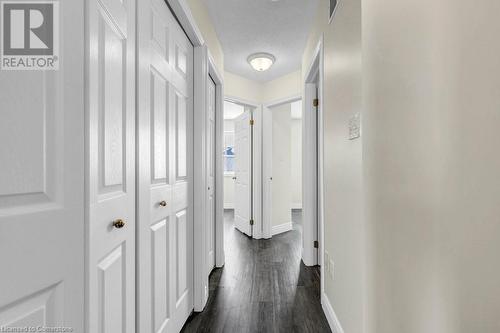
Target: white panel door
42, 189
211, 151
164, 133
242, 166
111, 166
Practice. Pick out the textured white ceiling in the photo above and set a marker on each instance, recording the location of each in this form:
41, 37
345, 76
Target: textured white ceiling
249, 26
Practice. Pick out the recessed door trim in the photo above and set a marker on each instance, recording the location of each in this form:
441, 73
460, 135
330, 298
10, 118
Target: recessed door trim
205, 70
312, 165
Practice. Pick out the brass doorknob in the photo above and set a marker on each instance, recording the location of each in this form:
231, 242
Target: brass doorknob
163, 203
118, 223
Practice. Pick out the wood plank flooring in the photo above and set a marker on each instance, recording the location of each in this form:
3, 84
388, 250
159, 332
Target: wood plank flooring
263, 287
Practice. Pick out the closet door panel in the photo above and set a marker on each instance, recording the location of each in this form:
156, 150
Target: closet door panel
165, 217
42, 185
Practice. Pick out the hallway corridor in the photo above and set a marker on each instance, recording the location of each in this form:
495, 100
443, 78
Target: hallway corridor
263, 287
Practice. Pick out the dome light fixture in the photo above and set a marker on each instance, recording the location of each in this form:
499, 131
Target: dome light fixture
261, 61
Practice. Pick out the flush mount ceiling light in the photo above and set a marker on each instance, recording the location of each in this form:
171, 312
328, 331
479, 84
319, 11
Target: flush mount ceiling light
261, 61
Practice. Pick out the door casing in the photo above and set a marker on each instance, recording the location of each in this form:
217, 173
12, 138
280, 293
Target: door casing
204, 70
312, 166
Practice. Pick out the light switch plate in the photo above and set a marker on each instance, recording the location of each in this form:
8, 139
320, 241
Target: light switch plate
332, 269
326, 260
355, 126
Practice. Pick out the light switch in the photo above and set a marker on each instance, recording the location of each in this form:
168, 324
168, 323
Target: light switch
355, 126
332, 269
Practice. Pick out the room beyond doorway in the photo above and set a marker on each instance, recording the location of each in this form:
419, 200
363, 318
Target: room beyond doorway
239, 165
282, 165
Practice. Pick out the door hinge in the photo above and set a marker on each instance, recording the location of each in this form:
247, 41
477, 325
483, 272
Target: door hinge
315, 102
316, 244
251, 122
251, 222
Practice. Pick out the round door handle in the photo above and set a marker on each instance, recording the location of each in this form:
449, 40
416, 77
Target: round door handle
118, 223
163, 203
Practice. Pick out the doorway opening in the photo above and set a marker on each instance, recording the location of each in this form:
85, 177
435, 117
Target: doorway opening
238, 168
282, 164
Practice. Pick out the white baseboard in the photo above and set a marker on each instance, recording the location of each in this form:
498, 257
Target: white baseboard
228, 206
281, 228
333, 321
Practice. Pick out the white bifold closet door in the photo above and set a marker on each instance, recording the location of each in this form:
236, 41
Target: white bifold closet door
242, 159
111, 166
165, 217
42, 189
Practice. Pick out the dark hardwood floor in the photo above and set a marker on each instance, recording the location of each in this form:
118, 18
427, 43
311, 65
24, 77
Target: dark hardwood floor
263, 287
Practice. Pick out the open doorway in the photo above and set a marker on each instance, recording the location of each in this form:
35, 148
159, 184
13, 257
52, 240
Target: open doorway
238, 168
282, 162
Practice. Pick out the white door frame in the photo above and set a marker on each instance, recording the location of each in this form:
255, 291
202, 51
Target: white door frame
204, 66
219, 162
313, 208
257, 231
267, 161
182, 12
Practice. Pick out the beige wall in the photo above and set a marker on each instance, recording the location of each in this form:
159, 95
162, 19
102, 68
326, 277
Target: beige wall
242, 88
423, 257
289, 85
344, 223
204, 22
263, 92
432, 101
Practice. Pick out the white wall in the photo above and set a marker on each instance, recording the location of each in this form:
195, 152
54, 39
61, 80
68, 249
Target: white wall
296, 155
343, 188
281, 147
411, 214
205, 24
432, 161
